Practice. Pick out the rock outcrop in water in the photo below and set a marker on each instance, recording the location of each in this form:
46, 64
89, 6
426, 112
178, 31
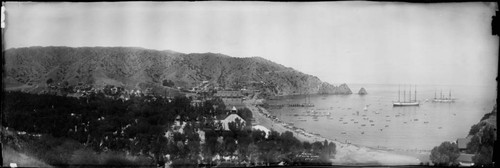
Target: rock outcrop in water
362, 91
326, 88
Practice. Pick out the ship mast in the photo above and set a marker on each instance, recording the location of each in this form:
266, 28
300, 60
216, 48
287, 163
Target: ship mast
399, 93
404, 95
410, 93
441, 94
305, 97
415, 93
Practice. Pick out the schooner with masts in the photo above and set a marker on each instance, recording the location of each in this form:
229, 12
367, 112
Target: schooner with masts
443, 99
404, 102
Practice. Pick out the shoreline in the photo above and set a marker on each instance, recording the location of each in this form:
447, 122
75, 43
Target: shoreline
347, 153
308, 94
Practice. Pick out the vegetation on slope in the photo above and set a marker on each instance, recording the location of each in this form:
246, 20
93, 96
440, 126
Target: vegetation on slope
102, 130
137, 68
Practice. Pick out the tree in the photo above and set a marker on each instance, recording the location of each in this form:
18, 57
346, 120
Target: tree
289, 143
474, 145
50, 81
244, 141
258, 136
229, 143
236, 125
484, 155
445, 154
317, 147
167, 83
246, 114
65, 83
307, 146
332, 149
476, 128
194, 149
211, 143
253, 153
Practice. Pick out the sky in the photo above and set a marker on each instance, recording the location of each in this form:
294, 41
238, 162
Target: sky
339, 42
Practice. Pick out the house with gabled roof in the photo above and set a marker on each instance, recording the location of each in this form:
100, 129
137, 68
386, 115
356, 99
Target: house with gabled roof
229, 119
465, 160
462, 143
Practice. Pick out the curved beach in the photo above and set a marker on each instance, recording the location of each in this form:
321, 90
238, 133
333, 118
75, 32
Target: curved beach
347, 153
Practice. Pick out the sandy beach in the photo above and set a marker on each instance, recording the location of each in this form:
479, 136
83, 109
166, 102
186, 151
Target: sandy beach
347, 153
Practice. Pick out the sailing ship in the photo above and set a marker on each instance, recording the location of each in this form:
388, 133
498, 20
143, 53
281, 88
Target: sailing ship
404, 102
307, 101
443, 99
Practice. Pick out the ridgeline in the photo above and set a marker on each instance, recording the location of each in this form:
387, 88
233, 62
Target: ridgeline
32, 68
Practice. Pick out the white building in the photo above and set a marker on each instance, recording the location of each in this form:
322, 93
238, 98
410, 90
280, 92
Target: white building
262, 128
229, 119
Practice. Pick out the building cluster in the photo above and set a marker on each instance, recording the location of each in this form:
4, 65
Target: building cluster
111, 91
464, 159
204, 86
205, 90
232, 99
230, 96
306, 156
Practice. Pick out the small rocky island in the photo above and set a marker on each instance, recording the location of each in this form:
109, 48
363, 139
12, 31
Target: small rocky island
362, 91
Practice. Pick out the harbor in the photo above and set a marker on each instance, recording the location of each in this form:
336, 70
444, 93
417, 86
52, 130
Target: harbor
372, 120
347, 152
369, 128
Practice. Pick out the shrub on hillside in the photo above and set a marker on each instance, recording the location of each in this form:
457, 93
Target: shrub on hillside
445, 154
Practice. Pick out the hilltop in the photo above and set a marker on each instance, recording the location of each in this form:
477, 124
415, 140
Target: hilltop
32, 68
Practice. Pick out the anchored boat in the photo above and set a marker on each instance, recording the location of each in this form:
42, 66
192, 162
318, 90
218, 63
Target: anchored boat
443, 99
404, 102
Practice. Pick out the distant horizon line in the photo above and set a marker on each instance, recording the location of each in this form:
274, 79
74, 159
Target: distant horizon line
426, 84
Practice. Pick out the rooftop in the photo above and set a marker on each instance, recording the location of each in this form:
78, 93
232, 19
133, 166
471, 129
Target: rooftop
227, 93
462, 142
465, 158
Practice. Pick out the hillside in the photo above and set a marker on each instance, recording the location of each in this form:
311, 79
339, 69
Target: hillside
488, 120
138, 68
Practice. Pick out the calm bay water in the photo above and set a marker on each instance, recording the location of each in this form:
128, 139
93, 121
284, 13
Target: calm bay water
381, 124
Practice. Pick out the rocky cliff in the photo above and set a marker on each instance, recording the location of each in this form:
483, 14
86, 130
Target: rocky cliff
137, 68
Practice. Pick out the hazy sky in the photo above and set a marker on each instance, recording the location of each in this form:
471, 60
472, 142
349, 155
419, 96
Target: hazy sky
351, 42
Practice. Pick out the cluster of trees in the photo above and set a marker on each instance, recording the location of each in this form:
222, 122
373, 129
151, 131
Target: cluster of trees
67, 129
445, 154
62, 88
482, 143
62, 151
252, 146
168, 83
137, 125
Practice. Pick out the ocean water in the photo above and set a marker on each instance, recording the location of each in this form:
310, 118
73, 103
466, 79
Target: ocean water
384, 126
